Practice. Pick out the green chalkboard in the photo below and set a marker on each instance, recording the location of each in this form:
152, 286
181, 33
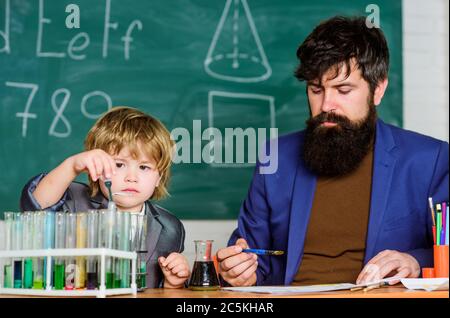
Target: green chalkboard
193, 64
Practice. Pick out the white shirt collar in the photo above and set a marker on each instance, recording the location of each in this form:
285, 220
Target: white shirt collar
143, 210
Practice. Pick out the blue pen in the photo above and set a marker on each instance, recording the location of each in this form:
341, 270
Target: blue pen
262, 252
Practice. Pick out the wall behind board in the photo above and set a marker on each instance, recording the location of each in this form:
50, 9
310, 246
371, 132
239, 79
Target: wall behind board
425, 67
225, 64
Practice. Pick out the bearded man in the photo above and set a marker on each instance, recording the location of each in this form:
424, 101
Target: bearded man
348, 202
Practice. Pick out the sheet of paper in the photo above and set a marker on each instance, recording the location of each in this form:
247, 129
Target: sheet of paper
428, 284
290, 289
304, 289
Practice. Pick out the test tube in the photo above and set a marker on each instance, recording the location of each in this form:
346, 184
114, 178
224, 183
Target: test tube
142, 252
92, 242
7, 270
38, 244
28, 238
138, 234
125, 245
17, 245
80, 272
71, 228
142, 233
133, 229
105, 240
60, 242
49, 241
116, 245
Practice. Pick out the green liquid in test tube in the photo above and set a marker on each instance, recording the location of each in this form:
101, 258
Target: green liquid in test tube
59, 274
60, 242
109, 278
105, 240
17, 246
38, 244
125, 245
116, 245
7, 269
7, 272
28, 226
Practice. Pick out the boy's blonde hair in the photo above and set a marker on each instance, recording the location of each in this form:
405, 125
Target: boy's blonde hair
126, 126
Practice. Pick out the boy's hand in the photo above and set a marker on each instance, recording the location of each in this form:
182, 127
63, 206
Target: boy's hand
175, 269
96, 162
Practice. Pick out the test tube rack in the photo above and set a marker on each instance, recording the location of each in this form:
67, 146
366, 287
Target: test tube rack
101, 292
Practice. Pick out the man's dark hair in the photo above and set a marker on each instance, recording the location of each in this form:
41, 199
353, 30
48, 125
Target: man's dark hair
333, 44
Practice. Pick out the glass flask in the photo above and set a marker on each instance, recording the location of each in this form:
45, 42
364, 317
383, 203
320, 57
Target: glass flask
204, 275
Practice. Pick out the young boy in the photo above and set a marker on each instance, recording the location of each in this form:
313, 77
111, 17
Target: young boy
134, 151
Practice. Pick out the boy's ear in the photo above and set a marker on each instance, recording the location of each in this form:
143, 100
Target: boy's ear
157, 182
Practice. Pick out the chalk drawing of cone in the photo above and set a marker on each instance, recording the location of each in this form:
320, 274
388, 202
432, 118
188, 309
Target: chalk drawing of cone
236, 53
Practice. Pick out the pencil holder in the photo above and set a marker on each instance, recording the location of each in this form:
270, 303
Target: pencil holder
440, 253
428, 272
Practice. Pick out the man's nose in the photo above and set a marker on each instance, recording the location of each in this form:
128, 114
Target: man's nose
328, 102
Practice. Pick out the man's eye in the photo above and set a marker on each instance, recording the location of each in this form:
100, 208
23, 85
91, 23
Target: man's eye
344, 92
316, 91
119, 164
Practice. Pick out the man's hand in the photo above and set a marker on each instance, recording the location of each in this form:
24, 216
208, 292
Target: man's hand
389, 263
235, 267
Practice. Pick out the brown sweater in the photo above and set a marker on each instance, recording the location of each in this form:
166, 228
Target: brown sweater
335, 241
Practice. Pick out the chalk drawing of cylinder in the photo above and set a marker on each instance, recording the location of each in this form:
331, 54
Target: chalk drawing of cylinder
236, 53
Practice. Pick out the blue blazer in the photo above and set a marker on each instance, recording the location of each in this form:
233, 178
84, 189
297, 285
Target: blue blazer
407, 169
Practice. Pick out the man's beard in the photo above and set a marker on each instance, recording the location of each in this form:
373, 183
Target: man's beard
338, 150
